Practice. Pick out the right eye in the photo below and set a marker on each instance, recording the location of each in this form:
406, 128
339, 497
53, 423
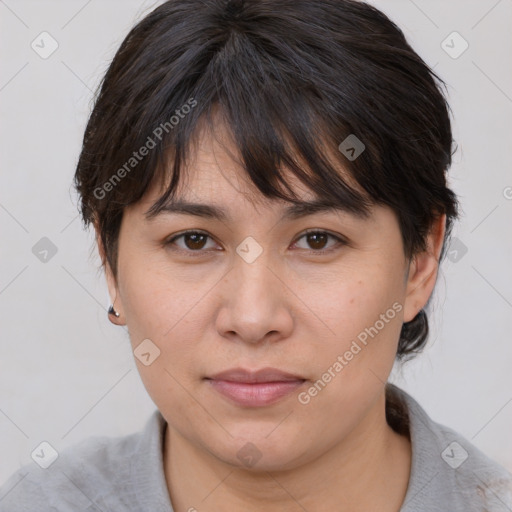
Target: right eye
192, 242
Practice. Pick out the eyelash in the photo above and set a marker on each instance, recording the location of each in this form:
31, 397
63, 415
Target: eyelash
200, 252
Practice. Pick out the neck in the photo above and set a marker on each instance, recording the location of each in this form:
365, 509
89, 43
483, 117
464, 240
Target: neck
369, 469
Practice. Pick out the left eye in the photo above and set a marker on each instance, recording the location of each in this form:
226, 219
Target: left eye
196, 241
318, 239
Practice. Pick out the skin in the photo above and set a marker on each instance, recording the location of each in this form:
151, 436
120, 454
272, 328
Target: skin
290, 309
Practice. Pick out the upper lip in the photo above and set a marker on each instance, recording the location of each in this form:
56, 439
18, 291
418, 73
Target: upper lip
253, 376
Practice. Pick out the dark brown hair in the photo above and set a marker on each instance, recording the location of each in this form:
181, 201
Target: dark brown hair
290, 79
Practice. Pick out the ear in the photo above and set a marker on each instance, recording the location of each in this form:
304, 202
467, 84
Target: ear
423, 270
113, 289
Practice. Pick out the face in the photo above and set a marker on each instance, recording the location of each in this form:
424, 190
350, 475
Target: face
253, 290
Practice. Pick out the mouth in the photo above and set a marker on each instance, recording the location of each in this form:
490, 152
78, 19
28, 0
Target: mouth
255, 388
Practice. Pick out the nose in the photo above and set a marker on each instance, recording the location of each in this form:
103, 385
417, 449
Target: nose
256, 304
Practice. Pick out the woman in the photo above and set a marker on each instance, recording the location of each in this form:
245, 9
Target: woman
267, 182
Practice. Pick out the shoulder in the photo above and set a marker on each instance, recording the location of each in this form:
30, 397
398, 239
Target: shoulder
93, 475
77, 480
448, 472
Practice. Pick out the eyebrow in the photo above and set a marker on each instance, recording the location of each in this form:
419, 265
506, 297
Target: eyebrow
295, 211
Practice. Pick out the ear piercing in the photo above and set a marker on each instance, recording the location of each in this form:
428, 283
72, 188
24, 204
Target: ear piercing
112, 311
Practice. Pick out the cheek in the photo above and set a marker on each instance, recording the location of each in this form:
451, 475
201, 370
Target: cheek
362, 313
145, 300
353, 299
160, 306
155, 312
156, 299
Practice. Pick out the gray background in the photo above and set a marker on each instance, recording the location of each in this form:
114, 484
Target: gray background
66, 373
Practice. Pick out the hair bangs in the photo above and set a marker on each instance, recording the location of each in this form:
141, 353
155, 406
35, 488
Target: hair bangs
273, 126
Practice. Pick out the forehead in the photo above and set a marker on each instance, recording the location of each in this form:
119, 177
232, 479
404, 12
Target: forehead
222, 200
214, 183
215, 163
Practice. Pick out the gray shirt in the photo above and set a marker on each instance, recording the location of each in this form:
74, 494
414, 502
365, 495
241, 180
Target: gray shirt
101, 474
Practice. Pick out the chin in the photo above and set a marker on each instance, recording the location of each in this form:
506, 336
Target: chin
259, 452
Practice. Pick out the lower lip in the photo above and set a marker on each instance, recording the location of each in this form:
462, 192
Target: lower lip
255, 394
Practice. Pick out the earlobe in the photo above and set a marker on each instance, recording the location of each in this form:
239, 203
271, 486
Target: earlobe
114, 311
115, 314
423, 269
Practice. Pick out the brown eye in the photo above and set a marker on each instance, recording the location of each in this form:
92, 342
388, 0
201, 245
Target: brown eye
190, 242
194, 241
317, 241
